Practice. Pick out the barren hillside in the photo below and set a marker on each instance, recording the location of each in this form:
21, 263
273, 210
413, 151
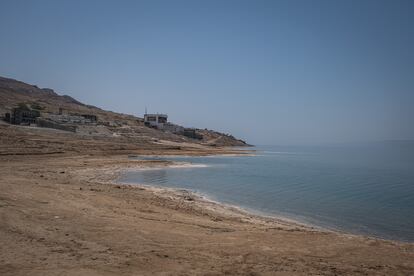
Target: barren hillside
109, 125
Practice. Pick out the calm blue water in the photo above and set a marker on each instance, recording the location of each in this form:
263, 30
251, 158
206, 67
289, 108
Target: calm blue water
362, 189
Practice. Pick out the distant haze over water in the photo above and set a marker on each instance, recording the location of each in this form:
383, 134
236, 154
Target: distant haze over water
363, 189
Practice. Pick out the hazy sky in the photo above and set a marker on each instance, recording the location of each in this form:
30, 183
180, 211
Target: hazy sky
271, 72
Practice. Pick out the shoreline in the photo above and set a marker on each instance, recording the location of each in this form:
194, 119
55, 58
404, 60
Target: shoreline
66, 215
246, 213
201, 200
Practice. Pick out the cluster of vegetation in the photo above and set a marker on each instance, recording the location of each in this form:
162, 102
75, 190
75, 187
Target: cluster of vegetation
23, 106
30, 106
36, 106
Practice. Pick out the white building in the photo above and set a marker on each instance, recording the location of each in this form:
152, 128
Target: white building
155, 120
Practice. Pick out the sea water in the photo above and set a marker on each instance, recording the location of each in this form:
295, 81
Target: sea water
362, 189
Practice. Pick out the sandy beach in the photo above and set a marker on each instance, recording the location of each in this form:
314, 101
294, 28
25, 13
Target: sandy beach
63, 215
62, 212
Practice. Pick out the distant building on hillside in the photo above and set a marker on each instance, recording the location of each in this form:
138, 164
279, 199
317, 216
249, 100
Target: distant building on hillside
155, 120
159, 121
72, 119
22, 116
192, 133
90, 118
173, 128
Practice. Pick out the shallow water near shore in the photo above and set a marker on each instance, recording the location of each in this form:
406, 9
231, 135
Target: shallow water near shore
362, 189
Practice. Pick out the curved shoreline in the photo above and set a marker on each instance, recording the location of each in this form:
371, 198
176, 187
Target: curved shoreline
203, 200
68, 215
248, 214
111, 175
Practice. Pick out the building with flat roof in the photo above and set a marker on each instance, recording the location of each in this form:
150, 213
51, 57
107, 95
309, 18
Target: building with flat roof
155, 120
22, 116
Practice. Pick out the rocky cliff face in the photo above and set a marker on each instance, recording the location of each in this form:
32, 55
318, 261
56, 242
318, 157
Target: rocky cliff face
110, 124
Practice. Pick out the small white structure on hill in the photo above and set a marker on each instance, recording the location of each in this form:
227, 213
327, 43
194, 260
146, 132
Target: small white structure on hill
155, 120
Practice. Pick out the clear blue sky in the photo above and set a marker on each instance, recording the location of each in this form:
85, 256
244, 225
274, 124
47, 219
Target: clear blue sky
271, 72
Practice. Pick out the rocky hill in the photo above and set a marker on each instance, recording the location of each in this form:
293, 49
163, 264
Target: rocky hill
110, 124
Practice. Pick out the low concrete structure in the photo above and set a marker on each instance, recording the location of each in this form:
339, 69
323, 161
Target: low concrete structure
192, 133
40, 122
71, 119
173, 128
90, 118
